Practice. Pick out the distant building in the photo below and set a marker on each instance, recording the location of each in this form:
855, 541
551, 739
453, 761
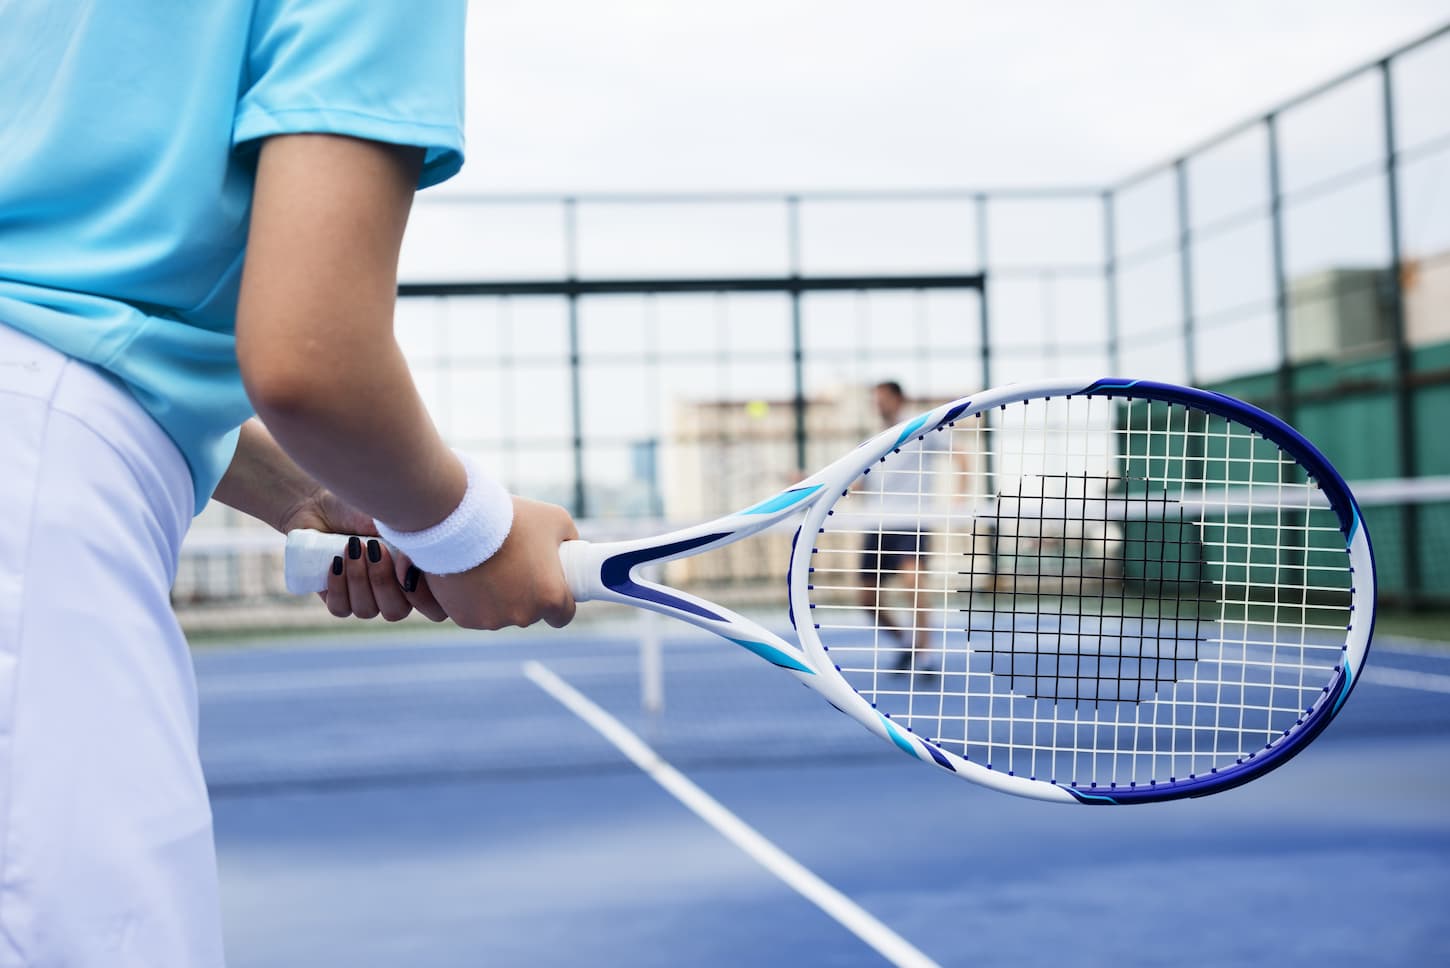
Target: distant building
1347, 309
1427, 300
1338, 310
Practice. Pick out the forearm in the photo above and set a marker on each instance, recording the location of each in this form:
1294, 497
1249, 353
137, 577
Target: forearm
316, 351
262, 480
362, 430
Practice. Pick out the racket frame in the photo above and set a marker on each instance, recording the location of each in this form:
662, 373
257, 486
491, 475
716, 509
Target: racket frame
609, 572
1290, 441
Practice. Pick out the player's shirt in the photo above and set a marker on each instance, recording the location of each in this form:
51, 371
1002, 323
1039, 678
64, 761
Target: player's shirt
892, 490
128, 135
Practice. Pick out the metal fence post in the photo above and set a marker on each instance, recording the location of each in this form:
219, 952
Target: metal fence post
576, 409
1293, 558
1110, 283
1403, 361
983, 312
1185, 272
1284, 374
797, 347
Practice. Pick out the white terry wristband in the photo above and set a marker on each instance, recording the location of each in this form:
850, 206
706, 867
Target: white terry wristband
466, 538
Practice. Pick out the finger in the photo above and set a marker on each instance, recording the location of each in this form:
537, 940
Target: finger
403, 568
422, 598
336, 595
393, 605
562, 614
415, 586
359, 589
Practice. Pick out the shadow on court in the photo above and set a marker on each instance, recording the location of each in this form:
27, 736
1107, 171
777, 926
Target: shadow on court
387, 804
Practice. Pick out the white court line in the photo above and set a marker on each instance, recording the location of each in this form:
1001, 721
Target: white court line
852, 916
1406, 679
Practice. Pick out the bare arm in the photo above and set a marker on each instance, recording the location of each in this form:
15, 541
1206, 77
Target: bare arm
317, 354
315, 326
264, 482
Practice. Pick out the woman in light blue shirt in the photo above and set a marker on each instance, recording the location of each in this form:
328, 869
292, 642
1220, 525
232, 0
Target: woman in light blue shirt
201, 206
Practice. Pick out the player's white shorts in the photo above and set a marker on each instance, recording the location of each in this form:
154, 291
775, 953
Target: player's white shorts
106, 853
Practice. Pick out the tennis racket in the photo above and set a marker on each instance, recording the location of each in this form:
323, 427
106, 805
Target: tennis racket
1106, 594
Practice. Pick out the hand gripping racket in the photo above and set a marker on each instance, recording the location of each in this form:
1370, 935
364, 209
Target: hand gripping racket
1105, 594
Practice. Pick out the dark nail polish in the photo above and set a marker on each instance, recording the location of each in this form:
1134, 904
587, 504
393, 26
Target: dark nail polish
354, 548
337, 565
375, 551
410, 579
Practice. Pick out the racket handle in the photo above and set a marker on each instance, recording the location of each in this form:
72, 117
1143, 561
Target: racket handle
581, 561
309, 559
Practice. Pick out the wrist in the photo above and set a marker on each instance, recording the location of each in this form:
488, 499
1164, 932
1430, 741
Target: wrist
470, 535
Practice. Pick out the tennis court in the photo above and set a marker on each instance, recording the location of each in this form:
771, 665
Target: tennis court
417, 799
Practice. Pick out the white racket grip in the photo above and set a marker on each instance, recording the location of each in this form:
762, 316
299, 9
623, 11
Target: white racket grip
309, 559
582, 562
310, 553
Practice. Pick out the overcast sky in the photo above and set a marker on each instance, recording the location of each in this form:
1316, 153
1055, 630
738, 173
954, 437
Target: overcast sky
574, 95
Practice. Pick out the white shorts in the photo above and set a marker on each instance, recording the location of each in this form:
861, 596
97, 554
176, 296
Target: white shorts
106, 853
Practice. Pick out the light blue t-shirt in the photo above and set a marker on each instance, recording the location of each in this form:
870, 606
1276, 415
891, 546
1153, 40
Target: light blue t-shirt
128, 136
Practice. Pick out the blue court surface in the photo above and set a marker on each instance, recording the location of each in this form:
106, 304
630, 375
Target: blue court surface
418, 800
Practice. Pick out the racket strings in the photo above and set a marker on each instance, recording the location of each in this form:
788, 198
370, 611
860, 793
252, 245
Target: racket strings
1085, 590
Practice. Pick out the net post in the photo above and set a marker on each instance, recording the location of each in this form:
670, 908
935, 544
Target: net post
651, 657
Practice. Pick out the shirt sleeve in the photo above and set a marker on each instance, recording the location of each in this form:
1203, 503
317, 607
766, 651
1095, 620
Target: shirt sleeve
374, 69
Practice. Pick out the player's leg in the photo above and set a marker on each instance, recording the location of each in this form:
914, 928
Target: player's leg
868, 574
106, 854
915, 549
906, 574
880, 559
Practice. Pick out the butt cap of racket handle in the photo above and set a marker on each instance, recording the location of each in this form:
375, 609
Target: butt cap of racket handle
309, 559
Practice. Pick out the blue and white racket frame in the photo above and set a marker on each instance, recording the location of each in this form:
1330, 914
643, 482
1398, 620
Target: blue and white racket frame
611, 572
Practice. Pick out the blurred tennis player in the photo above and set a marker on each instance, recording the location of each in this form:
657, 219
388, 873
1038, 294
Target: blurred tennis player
895, 547
201, 207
